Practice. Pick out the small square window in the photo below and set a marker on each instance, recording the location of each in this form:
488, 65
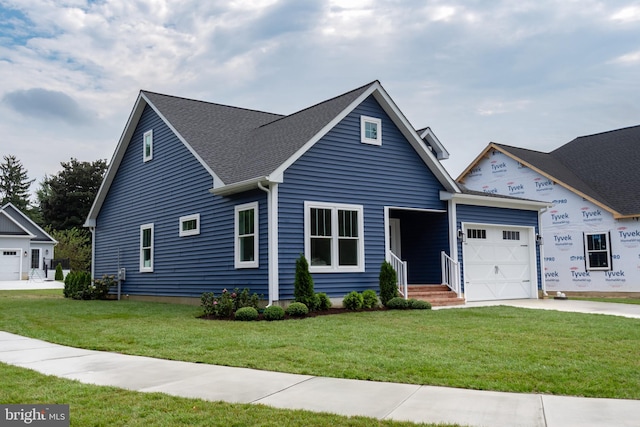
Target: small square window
147, 146
189, 225
370, 130
510, 235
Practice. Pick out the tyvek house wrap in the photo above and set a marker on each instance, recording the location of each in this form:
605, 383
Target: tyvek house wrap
564, 226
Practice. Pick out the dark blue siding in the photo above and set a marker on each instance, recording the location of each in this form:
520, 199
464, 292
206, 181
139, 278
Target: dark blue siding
503, 216
340, 169
172, 185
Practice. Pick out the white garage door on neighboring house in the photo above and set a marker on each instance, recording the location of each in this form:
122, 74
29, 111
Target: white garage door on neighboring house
499, 262
10, 264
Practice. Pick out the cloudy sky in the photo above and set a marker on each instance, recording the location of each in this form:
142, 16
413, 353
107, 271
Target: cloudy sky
529, 73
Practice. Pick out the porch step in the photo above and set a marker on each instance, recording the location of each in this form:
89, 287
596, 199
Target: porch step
437, 295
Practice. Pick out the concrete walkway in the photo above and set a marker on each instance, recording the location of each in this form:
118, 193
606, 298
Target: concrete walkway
403, 402
17, 285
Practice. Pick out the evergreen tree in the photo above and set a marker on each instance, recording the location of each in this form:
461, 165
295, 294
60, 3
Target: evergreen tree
303, 285
66, 198
14, 183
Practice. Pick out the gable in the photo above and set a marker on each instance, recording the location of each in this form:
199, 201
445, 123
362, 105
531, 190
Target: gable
24, 223
8, 227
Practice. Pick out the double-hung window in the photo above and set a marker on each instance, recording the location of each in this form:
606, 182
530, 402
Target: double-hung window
147, 146
146, 248
246, 236
334, 239
597, 251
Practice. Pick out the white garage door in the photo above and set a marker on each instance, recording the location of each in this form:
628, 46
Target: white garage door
9, 264
498, 263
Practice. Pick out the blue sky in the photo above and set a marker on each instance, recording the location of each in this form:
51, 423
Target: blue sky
534, 74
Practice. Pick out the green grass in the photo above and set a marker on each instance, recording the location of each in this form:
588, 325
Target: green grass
491, 348
110, 406
612, 300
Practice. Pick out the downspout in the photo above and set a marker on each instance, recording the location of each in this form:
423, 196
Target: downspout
272, 224
93, 252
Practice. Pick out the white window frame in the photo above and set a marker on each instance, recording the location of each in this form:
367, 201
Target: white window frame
186, 218
143, 268
363, 134
147, 134
256, 234
607, 250
335, 256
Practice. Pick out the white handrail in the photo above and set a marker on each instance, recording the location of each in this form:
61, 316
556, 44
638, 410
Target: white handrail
401, 271
450, 273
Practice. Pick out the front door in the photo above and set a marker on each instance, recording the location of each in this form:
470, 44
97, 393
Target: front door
35, 258
394, 237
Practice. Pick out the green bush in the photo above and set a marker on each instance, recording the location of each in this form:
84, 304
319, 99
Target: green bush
352, 301
388, 283
59, 274
416, 304
227, 303
273, 312
324, 303
246, 314
78, 285
397, 303
303, 284
369, 299
297, 309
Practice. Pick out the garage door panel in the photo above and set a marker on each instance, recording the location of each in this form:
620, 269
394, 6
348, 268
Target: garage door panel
498, 266
10, 264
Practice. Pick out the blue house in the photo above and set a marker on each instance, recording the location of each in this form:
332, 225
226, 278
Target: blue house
200, 197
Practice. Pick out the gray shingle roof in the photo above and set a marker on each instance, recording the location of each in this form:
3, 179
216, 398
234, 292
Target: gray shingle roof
240, 144
603, 166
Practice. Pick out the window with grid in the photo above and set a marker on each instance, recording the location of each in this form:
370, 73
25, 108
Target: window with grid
146, 248
246, 235
597, 251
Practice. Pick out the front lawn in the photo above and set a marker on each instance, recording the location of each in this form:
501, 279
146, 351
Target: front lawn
492, 348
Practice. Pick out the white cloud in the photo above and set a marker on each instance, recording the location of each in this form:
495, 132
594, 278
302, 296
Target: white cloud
627, 14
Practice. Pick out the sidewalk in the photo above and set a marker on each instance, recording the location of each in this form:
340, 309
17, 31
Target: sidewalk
402, 402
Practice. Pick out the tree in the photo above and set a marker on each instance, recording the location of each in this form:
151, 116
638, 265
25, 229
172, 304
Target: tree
388, 282
14, 183
75, 244
303, 284
66, 198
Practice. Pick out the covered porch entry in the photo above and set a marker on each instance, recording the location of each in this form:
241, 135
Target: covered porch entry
417, 243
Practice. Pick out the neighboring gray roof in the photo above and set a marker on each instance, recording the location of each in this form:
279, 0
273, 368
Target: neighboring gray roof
240, 144
8, 227
20, 218
602, 166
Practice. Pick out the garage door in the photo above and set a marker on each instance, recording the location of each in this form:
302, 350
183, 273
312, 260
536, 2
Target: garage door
498, 263
9, 264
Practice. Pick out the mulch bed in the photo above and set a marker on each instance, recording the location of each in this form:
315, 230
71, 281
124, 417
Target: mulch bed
329, 312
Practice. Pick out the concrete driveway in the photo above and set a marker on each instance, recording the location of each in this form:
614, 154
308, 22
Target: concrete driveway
15, 285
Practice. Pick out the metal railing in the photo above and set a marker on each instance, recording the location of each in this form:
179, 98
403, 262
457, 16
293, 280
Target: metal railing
401, 271
450, 273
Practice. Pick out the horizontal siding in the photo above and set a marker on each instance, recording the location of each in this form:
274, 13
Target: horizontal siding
498, 216
172, 185
340, 169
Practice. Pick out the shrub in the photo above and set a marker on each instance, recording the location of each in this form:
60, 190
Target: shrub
228, 303
101, 286
303, 284
416, 304
324, 303
397, 303
246, 314
297, 309
59, 274
273, 312
388, 283
352, 301
369, 299
78, 285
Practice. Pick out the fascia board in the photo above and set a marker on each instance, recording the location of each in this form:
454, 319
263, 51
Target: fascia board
491, 201
475, 162
441, 152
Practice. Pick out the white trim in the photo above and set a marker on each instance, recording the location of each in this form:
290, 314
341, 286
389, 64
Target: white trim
334, 267
29, 234
255, 263
494, 201
147, 134
184, 233
434, 142
144, 269
363, 132
272, 235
